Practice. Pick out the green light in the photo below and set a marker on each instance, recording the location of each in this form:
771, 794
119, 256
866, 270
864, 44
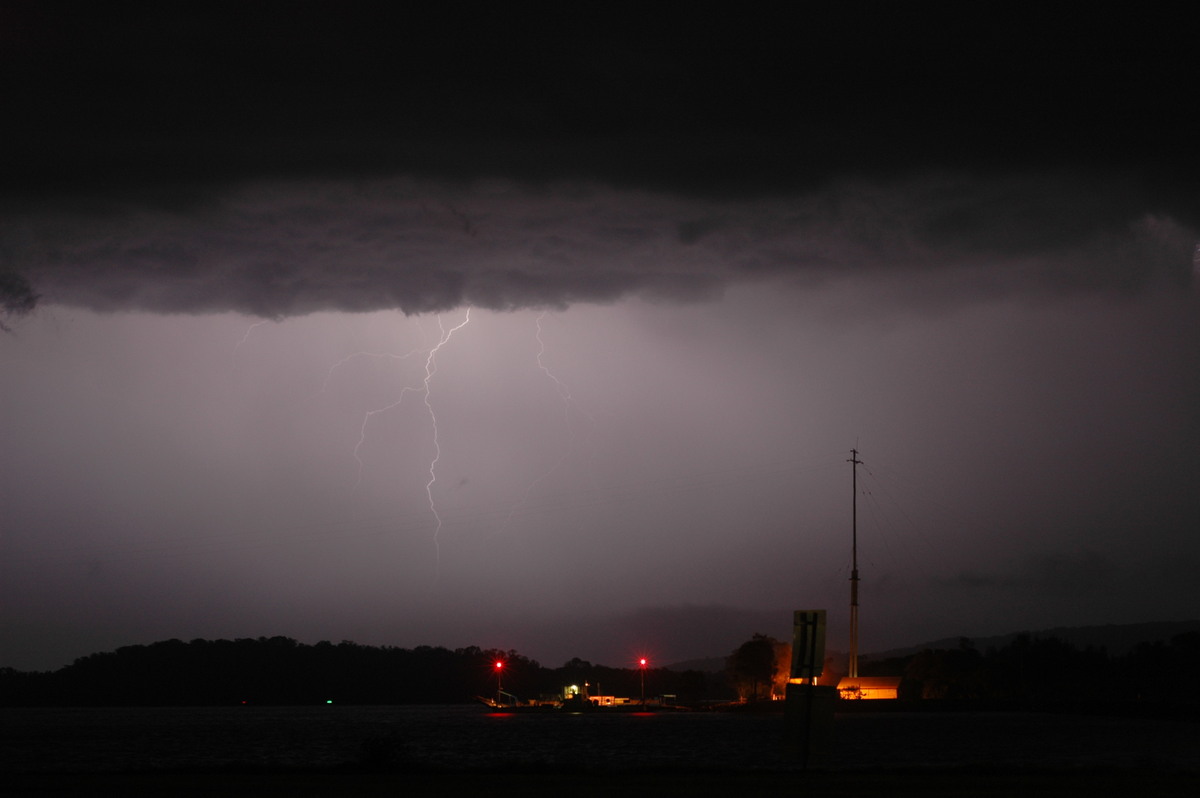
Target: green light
329, 702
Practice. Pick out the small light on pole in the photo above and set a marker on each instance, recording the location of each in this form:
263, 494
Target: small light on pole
499, 688
642, 671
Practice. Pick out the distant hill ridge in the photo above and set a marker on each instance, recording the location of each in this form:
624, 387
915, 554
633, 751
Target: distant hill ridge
1116, 639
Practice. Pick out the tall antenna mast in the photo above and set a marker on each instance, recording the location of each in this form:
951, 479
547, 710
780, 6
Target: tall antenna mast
854, 464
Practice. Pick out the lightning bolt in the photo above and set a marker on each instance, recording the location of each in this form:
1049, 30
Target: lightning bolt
425, 388
246, 336
380, 355
241, 343
564, 393
362, 430
430, 370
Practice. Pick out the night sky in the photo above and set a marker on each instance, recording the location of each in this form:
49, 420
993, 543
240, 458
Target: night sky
552, 327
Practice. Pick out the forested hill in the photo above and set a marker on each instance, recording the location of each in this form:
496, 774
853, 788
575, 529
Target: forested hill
1115, 639
279, 670
1027, 671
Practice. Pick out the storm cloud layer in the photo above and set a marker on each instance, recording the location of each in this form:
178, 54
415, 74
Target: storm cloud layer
277, 250
279, 160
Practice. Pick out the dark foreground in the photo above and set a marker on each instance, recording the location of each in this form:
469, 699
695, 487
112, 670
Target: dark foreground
468, 751
926, 782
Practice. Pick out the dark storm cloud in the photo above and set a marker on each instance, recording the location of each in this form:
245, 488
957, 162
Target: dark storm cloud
278, 159
16, 297
283, 249
697, 94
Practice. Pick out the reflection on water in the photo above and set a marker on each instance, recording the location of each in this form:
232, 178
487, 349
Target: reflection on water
466, 738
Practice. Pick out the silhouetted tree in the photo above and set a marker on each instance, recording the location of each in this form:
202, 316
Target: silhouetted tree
942, 673
751, 668
1163, 672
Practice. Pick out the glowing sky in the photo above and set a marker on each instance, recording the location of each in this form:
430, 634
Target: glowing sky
704, 254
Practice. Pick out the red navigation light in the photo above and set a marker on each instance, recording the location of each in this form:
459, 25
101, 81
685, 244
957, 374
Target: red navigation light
642, 662
499, 664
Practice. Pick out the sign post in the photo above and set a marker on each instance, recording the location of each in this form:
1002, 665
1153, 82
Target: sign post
808, 644
809, 708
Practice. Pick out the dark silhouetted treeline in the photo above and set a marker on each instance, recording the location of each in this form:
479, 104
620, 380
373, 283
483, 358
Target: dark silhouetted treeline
1030, 671
281, 671
1046, 671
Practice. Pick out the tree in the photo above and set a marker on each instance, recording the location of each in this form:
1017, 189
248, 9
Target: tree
752, 667
783, 669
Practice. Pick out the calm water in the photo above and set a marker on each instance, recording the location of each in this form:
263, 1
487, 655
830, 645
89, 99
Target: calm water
109, 740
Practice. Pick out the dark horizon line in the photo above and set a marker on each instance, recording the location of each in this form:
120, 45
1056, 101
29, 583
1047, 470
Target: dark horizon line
1165, 630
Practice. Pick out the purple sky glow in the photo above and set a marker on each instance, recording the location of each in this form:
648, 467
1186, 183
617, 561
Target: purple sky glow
688, 261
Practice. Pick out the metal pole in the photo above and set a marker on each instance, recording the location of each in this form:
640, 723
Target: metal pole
854, 464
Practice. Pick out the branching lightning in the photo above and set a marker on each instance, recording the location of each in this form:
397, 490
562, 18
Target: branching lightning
239, 344
381, 355
430, 370
362, 431
246, 336
564, 393
430, 349
444, 336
